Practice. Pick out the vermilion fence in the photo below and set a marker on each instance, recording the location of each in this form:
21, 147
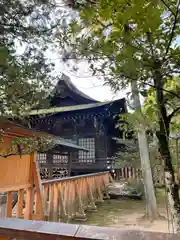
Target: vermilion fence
130, 173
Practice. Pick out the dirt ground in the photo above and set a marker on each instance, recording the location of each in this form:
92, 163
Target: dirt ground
139, 222
127, 214
130, 214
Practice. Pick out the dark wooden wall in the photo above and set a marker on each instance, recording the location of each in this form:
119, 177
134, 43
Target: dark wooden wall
70, 125
77, 130
74, 130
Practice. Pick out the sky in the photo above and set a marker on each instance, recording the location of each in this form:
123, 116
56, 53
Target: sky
91, 86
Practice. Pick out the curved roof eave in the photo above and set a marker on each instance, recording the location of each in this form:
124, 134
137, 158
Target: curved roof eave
67, 81
73, 108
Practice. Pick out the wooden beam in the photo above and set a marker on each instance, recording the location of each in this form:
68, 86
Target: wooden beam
70, 155
20, 203
13, 188
51, 202
56, 203
23, 229
29, 203
62, 210
32, 159
50, 163
9, 204
40, 201
45, 195
3, 238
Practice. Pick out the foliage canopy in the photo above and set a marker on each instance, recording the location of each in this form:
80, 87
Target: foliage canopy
135, 42
27, 28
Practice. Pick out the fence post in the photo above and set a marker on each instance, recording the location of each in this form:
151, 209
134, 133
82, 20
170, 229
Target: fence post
92, 207
80, 215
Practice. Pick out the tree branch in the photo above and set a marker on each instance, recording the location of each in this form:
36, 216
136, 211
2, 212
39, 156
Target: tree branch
168, 7
172, 114
172, 93
8, 155
8, 27
150, 43
173, 28
122, 38
103, 25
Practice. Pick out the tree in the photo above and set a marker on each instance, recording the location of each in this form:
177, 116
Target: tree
129, 41
171, 102
25, 30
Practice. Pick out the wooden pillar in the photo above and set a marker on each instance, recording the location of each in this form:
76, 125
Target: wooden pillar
74, 155
50, 163
70, 156
101, 147
40, 209
97, 142
75, 137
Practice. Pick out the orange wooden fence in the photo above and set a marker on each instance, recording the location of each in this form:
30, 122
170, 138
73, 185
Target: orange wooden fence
24, 181
126, 173
133, 173
69, 197
56, 200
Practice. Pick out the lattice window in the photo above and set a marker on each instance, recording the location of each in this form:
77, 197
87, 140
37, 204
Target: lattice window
44, 173
60, 159
41, 158
89, 144
60, 172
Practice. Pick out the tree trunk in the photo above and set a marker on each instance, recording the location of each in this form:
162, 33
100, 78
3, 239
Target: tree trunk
151, 206
163, 137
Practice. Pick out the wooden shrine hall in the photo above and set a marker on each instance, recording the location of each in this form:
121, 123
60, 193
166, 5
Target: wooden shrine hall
85, 122
57, 161
42, 208
58, 150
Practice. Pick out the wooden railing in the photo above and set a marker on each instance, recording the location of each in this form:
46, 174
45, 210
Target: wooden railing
27, 230
127, 173
132, 173
68, 198
23, 200
55, 200
59, 168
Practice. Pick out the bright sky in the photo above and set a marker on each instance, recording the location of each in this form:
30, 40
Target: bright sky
91, 86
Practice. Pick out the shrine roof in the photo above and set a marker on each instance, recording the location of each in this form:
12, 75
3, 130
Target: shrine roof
58, 141
65, 84
81, 107
14, 130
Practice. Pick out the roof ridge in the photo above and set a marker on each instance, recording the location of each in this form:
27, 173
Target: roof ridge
70, 108
67, 80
